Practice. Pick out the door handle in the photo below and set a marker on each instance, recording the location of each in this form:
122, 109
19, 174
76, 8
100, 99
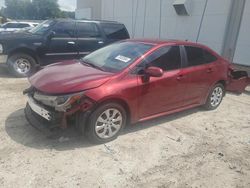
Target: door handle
180, 77
100, 42
71, 42
210, 70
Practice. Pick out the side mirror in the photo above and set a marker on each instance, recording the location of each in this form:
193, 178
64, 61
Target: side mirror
154, 72
51, 34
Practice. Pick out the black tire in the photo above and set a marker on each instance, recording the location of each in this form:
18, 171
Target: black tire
209, 104
29, 59
90, 131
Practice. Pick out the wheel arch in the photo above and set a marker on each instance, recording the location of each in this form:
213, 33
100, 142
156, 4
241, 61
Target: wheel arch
223, 82
120, 101
24, 50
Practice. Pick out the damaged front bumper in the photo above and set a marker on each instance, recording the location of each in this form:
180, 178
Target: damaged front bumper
45, 117
41, 123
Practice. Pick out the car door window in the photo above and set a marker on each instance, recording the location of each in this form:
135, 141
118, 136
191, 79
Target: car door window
64, 30
167, 58
23, 25
194, 55
87, 30
115, 31
11, 25
198, 56
6, 25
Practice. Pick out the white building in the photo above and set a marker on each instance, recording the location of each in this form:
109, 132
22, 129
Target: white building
223, 25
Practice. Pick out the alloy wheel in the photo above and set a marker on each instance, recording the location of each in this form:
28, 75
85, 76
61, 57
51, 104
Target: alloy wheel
108, 123
216, 96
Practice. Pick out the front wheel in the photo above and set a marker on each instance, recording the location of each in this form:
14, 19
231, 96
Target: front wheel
215, 97
21, 65
106, 123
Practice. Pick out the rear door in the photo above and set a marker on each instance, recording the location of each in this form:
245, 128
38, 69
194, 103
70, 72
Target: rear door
62, 45
201, 71
89, 38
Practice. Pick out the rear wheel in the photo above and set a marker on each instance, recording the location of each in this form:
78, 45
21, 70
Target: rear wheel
215, 97
106, 123
21, 65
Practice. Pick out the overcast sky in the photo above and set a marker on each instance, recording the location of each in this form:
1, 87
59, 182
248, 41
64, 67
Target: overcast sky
1, 3
67, 4
64, 4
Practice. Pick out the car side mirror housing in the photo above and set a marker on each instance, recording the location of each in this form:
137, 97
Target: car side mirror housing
51, 34
154, 72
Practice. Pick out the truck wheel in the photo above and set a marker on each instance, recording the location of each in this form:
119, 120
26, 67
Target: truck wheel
21, 65
106, 123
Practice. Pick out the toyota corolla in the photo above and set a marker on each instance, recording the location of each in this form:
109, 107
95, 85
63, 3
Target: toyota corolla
128, 82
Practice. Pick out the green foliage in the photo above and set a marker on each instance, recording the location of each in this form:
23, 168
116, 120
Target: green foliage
16, 8
45, 9
66, 14
34, 9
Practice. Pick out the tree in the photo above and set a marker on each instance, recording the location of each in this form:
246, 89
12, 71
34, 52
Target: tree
16, 9
44, 9
67, 14
34, 9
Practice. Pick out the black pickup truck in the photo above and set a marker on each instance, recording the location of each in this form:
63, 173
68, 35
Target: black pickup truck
56, 40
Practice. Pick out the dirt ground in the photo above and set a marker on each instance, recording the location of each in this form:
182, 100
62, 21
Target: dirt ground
195, 148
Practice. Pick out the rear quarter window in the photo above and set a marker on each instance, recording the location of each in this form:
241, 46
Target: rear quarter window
209, 58
115, 31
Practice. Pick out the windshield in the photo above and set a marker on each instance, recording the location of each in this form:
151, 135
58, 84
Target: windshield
43, 27
116, 57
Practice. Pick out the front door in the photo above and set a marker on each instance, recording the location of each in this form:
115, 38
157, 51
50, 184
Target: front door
89, 38
62, 45
159, 95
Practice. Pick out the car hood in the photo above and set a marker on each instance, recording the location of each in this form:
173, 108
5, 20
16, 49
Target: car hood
7, 35
68, 77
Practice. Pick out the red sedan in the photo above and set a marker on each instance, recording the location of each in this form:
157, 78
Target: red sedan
129, 82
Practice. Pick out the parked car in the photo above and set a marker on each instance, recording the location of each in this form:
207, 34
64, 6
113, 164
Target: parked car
16, 26
56, 40
129, 82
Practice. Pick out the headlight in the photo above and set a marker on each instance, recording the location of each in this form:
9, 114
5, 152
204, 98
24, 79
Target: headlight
60, 103
1, 48
60, 100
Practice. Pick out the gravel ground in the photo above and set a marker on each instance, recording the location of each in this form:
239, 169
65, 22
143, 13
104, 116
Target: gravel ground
195, 148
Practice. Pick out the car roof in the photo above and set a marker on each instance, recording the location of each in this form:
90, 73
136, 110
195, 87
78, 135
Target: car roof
159, 42
87, 20
164, 41
21, 22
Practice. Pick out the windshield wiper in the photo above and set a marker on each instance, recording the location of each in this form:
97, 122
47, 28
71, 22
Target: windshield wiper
91, 65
